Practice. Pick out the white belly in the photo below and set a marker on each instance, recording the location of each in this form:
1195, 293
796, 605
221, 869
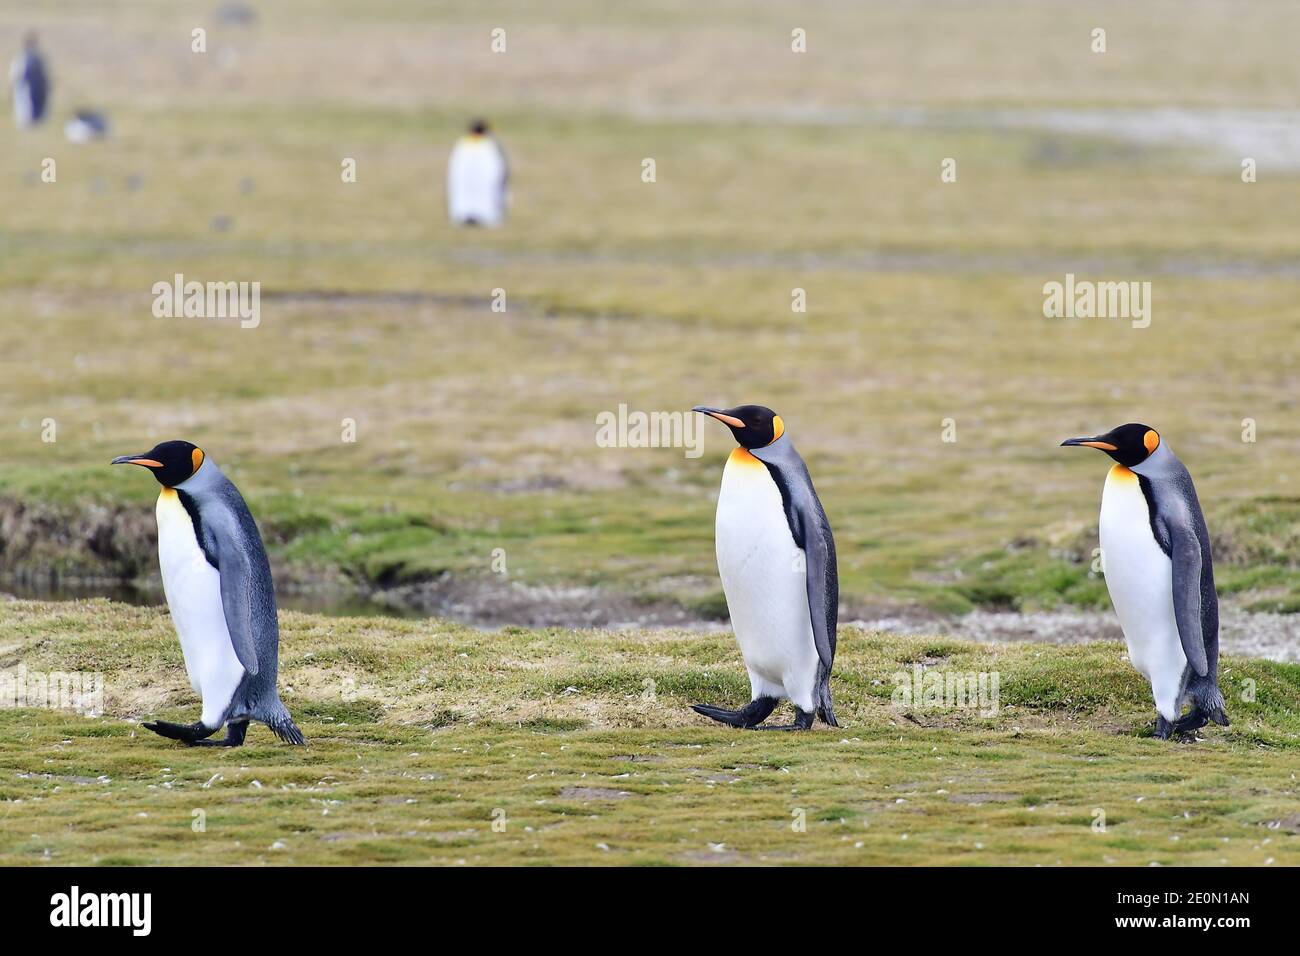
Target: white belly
193, 589
474, 182
24, 108
764, 579
1139, 576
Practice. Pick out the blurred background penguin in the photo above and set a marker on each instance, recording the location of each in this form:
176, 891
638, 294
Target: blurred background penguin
30, 83
477, 179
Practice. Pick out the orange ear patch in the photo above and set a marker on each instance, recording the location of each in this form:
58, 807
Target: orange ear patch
197, 457
778, 427
1151, 440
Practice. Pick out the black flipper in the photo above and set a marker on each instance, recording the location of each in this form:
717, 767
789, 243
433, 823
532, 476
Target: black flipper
235, 571
1186, 558
1192, 721
186, 733
751, 715
235, 731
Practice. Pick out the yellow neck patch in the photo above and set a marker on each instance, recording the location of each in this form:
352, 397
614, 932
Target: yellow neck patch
741, 456
1120, 473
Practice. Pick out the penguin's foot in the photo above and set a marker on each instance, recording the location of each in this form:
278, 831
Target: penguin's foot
751, 715
235, 731
1163, 728
803, 720
1218, 715
1191, 722
186, 733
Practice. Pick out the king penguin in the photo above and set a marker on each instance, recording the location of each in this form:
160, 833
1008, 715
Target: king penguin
30, 83
478, 179
1155, 553
218, 585
776, 557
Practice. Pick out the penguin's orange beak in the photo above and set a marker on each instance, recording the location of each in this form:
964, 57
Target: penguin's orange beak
719, 415
136, 460
1089, 442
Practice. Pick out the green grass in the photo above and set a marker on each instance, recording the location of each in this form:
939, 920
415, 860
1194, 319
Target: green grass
422, 733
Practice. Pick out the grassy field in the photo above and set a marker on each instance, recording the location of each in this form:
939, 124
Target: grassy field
422, 734
476, 430
775, 171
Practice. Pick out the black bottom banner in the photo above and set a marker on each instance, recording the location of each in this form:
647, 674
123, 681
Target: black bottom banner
308, 905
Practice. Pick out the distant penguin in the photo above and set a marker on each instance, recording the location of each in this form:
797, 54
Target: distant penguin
85, 126
776, 557
477, 179
30, 83
218, 585
1155, 553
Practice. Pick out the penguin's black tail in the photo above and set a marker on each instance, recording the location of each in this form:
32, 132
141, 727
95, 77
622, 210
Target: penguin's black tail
825, 710
1206, 696
282, 725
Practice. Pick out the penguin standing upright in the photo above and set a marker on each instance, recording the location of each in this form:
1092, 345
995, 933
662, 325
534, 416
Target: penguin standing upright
30, 83
776, 557
477, 179
1155, 552
218, 585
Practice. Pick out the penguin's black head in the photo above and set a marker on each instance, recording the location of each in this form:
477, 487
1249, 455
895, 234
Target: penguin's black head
479, 127
171, 462
1129, 444
753, 425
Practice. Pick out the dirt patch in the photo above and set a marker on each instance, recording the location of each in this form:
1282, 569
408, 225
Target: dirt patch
1243, 633
493, 602
100, 542
978, 799
721, 855
1289, 824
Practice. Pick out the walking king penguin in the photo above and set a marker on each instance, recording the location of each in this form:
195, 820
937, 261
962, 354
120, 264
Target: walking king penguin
776, 557
218, 585
477, 179
1155, 553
